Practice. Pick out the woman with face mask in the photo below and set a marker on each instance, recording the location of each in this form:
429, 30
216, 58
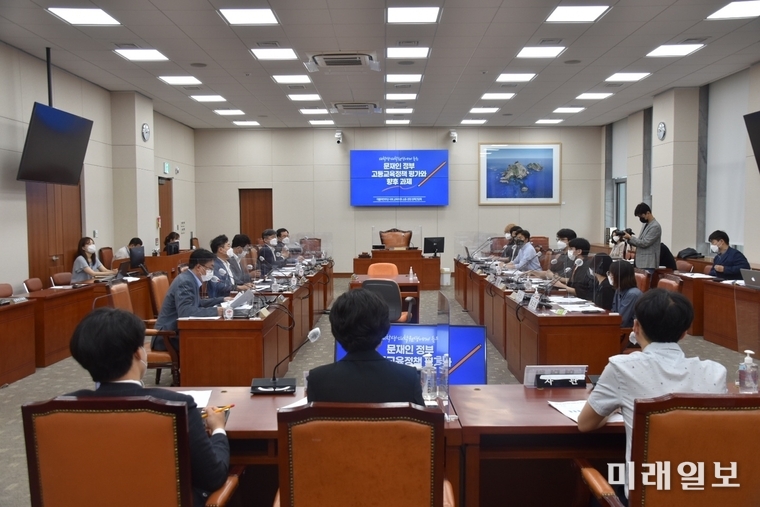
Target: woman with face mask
87, 265
621, 247
623, 278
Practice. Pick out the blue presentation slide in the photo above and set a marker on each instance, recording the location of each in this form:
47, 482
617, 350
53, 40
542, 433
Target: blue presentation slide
408, 343
399, 177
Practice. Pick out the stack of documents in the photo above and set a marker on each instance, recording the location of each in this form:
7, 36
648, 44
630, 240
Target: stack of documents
572, 409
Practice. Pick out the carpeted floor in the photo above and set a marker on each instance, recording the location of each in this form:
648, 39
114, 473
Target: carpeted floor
67, 376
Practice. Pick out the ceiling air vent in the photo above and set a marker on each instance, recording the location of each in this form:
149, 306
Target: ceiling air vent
357, 108
268, 44
695, 40
296, 87
192, 88
550, 42
408, 43
402, 86
614, 85
343, 61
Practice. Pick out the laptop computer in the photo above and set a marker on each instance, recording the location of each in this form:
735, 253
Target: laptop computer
751, 278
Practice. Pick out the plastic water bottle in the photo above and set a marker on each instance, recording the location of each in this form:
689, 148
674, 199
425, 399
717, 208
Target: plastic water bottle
443, 378
748, 375
427, 378
411, 273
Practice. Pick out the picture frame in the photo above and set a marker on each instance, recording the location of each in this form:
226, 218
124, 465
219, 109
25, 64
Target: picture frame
519, 174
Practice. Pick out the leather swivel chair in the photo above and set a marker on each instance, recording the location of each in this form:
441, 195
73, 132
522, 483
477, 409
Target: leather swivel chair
390, 292
382, 270
694, 428
62, 278
6, 290
643, 279
112, 451
105, 255
33, 284
670, 282
396, 238
497, 245
310, 246
684, 266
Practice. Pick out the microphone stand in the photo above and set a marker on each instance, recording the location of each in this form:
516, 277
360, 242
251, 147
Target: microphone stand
482, 246
279, 386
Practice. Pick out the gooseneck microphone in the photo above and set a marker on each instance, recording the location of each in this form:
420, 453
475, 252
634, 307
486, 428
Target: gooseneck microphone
284, 385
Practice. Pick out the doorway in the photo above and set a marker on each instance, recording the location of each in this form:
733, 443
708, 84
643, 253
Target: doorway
166, 206
255, 212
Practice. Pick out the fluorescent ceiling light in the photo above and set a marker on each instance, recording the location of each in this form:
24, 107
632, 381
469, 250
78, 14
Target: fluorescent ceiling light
322, 122
408, 52
313, 111
675, 50
397, 122
84, 16
497, 96
304, 97
400, 96
274, 54
736, 10
208, 98
514, 78
249, 16
569, 110
593, 96
579, 14
228, 112
549, 121
479, 110
412, 14
399, 110
540, 52
179, 80
141, 55
403, 78
246, 123
624, 77
292, 79
473, 122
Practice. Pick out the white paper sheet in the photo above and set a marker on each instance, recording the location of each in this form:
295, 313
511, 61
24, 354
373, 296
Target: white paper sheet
572, 410
695, 275
298, 403
567, 300
582, 308
201, 397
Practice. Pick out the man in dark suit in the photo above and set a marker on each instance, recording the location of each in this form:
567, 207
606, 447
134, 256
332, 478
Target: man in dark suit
241, 245
108, 343
359, 321
269, 258
183, 298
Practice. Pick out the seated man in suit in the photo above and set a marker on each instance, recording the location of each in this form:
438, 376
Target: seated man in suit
662, 318
241, 270
223, 281
578, 280
183, 298
108, 343
728, 261
269, 258
359, 321
525, 258
123, 252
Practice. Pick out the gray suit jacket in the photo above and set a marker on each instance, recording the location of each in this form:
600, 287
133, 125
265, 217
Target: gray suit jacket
240, 273
182, 300
648, 246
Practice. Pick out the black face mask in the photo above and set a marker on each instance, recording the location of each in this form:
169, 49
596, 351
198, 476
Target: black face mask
643, 220
519, 242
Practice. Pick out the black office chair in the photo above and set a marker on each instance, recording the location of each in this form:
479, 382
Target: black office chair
390, 292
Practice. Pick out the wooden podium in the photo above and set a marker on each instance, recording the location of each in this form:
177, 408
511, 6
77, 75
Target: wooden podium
427, 269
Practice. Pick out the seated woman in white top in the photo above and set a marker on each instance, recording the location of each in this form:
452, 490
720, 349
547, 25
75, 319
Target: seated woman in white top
87, 265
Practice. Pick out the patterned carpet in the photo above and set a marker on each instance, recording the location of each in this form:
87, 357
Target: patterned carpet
67, 376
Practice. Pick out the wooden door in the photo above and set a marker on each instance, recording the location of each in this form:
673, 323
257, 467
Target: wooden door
255, 211
54, 228
166, 206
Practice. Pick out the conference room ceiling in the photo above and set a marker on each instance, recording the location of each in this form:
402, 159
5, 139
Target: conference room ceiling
473, 42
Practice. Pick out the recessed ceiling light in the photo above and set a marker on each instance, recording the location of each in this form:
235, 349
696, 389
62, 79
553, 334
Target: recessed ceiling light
246, 123
322, 122
736, 10
579, 14
408, 52
403, 78
497, 96
313, 111
593, 96
90, 17
514, 78
179, 80
397, 122
400, 96
292, 79
549, 121
274, 54
473, 122
208, 98
228, 112
540, 52
249, 16
479, 110
675, 50
569, 110
624, 77
412, 14
141, 55
304, 97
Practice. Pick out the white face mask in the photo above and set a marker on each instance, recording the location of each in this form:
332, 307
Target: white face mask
571, 254
632, 338
507, 235
231, 253
208, 275
616, 238
273, 241
286, 240
714, 248
561, 245
609, 278
92, 249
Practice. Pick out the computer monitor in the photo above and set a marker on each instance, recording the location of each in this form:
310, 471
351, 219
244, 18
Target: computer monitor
172, 248
433, 246
136, 257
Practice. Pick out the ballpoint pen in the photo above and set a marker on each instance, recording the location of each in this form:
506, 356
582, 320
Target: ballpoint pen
225, 408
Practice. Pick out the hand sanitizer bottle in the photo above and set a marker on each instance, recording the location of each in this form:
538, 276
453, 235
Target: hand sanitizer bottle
443, 379
427, 378
293, 280
411, 273
748, 375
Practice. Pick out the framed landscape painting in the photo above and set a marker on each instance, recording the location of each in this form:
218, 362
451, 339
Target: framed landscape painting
519, 174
